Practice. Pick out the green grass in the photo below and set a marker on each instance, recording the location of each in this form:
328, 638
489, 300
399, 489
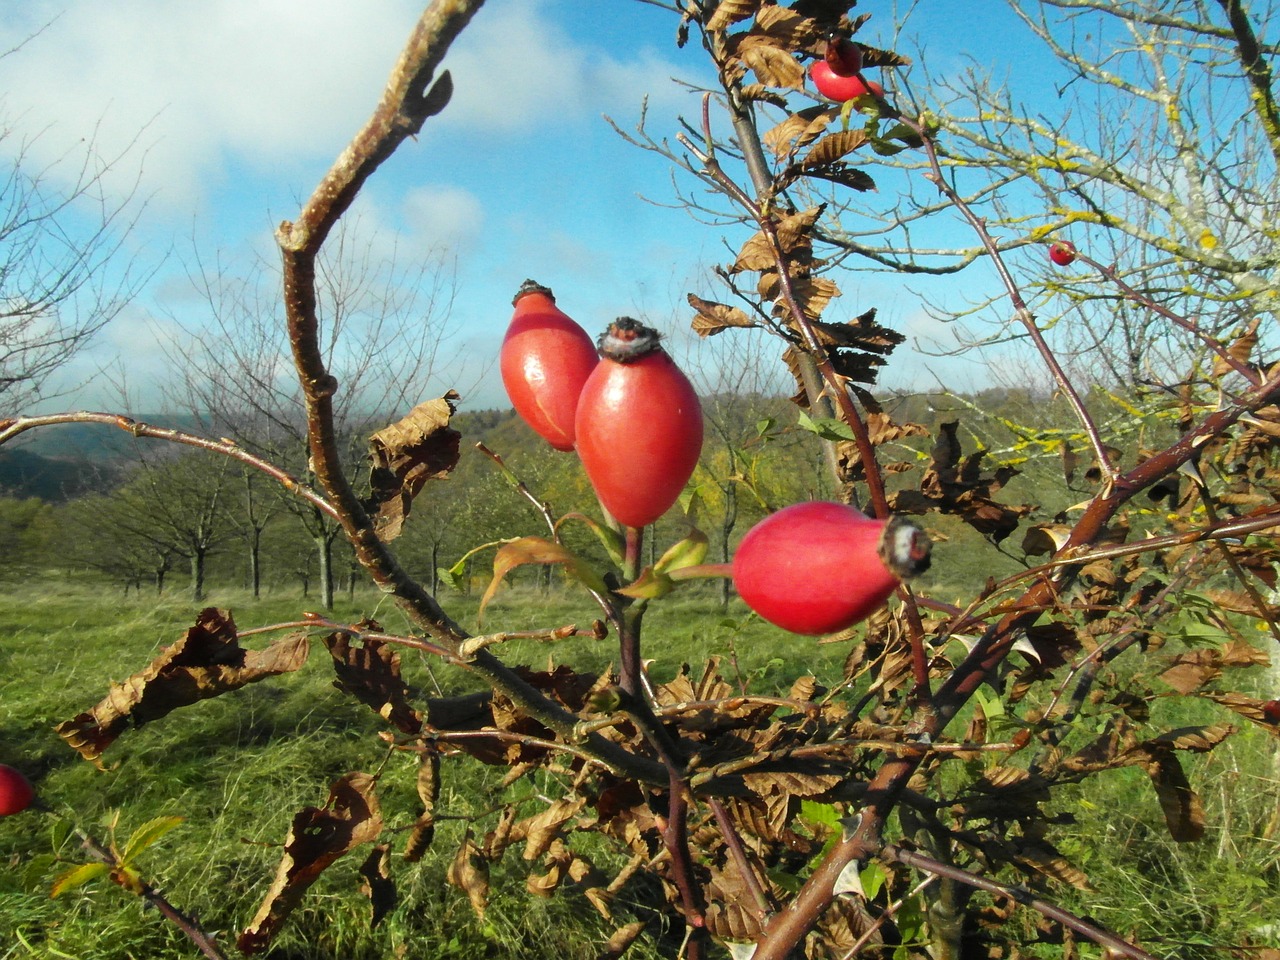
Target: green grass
238, 767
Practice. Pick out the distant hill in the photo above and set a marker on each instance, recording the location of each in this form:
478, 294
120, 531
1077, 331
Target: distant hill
26, 474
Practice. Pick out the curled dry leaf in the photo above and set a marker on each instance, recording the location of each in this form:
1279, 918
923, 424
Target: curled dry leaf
713, 318
729, 12
206, 662
369, 670
469, 872
405, 455
317, 837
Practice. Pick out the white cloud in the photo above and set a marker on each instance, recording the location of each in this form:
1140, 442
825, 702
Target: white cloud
203, 94
198, 85
447, 216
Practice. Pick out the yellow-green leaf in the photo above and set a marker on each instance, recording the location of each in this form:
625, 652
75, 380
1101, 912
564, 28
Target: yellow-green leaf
146, 835
78, 877
689, 552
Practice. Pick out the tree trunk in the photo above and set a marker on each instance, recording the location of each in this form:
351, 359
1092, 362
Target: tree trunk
325, 545
197, 576
255, 563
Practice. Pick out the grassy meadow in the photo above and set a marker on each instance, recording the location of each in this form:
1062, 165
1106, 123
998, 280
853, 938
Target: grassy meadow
236, 768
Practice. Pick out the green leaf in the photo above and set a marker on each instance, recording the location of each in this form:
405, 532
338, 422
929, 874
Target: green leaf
146, 835
650, 585
78, 877
452, 575
827, 429
689, 552
60, 833
613, 541
873, 880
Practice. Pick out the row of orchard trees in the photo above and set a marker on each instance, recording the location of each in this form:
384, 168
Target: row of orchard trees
214, 522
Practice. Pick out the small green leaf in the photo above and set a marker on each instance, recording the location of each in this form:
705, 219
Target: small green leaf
689, 552
60, 833
78, 877
146, 835
873, 880
452, 575
650, 585
827, 429
612, 540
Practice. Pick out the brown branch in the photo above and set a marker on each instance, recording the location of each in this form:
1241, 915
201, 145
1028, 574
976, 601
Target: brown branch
228, 448
408, 100
1256, 70
205, 943
1099, 936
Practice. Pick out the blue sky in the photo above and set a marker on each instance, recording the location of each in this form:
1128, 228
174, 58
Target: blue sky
227, 112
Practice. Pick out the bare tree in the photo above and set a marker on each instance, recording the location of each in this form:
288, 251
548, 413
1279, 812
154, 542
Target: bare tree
385, 321
1159, 162
61, 275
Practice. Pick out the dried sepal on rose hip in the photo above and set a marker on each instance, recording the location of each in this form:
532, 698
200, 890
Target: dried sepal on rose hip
639, 425
820, 567
545, 359
16, 793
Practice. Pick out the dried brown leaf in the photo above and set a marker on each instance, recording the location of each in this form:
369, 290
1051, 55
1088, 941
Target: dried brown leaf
544, 828
370, 672
469, 872
405, 455
730, 12
713, 318
317, 837
773, 66
833, 147
799, 129
206, 662
378, 885
621, 941
1183, 812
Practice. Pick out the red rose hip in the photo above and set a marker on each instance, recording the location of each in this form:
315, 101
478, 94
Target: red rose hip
545, 359
15, 791
838, 87
820, 567
1062, 252
639, 425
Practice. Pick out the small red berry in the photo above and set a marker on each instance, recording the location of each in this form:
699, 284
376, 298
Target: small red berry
15, 791
1062, 252
639, 425
1271, 711
545, 359
837, 87
820, 567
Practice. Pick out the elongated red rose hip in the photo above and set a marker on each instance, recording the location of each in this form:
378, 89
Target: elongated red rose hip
820, 567
639, 425
545, 359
